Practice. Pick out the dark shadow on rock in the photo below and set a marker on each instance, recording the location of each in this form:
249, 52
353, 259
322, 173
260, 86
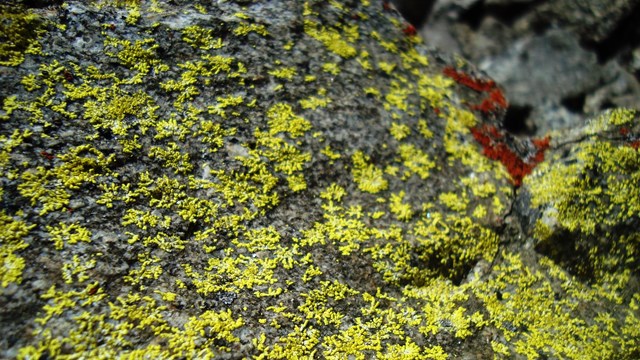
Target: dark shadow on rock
517, 120
624, 37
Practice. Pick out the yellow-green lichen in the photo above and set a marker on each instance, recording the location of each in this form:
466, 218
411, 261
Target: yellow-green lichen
11, 264
331, 68
399, 208
75, 271
140, 55
453, 242
533, 318
284, 73
415, 161
586, 203
68, 234
454, 201
244, 29
315, 102
283, 119
201, 38
196, 178
386, 67
19, 33
580, 203
399, 131
331, 38
224, 102
368, 177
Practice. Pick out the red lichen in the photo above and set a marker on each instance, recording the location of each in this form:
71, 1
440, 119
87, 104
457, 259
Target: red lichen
542, 144
410, 30
495, 148
46, 155
468, 81
67, 75
630, 138
93, 290
495, 100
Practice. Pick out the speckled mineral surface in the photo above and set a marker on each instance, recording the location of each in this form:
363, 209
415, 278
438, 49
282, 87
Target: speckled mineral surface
291, 179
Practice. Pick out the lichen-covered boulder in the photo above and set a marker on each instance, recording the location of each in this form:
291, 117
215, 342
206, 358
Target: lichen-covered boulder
582, 207
284, 179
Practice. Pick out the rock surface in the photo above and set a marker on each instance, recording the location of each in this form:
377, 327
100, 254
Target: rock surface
287, 179
561, 62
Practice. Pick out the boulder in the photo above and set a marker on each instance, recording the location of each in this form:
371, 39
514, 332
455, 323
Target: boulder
287, 179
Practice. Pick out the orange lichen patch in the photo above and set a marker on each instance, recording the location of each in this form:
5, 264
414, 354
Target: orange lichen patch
495, 99
495, 148
469, 81
410, 30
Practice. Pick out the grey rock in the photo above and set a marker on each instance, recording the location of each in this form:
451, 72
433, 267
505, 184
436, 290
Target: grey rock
594, 21
415, 11
541, 71
277, 179
578, 56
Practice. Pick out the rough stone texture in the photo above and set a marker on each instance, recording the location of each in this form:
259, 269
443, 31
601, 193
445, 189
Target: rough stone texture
539, 72
540, 45
287, 179
593, 21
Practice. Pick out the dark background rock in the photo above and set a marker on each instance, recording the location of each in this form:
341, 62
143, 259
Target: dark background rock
577, 54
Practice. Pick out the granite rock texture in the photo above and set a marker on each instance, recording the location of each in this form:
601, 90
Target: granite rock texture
287, 179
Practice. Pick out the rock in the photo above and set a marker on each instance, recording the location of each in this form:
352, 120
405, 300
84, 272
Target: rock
283, 179
554, 41
415, 11
594, 21
585, 204
545, 71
